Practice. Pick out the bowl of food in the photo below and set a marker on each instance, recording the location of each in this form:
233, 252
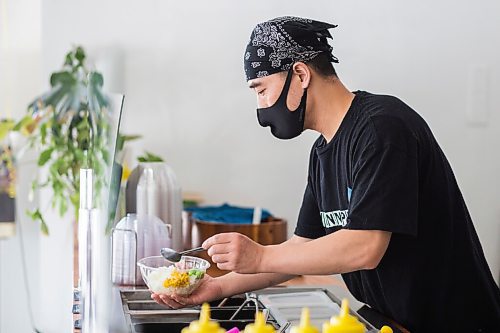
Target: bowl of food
164, 277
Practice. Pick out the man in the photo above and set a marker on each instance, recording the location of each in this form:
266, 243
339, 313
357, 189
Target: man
381, 207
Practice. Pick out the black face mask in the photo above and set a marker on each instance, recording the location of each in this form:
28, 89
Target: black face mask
285, 124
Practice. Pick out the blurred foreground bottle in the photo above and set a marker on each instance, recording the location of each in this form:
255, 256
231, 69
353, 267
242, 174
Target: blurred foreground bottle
305, 324
204, 324
346, 323
260, 325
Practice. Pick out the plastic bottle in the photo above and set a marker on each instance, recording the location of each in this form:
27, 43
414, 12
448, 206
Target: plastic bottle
204, 324
259, 326
305, 324
344, 323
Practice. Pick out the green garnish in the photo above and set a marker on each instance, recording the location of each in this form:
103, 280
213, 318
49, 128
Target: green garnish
198, 274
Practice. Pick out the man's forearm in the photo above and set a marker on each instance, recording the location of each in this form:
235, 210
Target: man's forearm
234, 283
341, 252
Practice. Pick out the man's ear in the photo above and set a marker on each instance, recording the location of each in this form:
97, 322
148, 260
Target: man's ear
304, 73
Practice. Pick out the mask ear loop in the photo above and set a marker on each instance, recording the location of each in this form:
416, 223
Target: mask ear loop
284, 92
286, 87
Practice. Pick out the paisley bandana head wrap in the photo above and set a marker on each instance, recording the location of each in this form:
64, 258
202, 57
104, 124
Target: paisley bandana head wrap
275, 45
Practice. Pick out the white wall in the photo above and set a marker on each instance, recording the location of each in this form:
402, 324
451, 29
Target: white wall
180, 65
20, 73
182, 75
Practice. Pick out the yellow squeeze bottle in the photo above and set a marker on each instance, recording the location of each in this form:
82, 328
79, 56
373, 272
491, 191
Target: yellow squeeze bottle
259, 326
204, 325
344, 323
305, 324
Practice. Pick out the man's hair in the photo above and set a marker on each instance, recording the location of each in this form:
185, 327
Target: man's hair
322, 65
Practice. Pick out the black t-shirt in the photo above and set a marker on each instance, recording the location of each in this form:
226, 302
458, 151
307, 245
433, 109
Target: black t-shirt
384, 170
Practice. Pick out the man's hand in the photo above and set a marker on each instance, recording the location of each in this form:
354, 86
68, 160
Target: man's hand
234, 252
208, 290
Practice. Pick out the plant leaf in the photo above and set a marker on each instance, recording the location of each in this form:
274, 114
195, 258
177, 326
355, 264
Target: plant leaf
23, 123
149, 157
5, 127
121, 139
80, 54
63, 206
96, 99
69, 59
131, 137
45, 156
36, 215
105, 155
96, 80
63, 78
75, 199
43, 227
43, 133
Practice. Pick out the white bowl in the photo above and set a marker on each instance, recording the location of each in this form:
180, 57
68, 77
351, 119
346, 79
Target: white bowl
156, 269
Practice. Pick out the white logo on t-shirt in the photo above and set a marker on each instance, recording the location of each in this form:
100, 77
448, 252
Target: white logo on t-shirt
337, 218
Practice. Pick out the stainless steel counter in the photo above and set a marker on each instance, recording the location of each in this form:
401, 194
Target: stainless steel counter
133, 310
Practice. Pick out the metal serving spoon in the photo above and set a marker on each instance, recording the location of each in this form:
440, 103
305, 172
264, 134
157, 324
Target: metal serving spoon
175, 256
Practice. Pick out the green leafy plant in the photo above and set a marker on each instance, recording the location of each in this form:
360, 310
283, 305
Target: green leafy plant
70, 126
149, 157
